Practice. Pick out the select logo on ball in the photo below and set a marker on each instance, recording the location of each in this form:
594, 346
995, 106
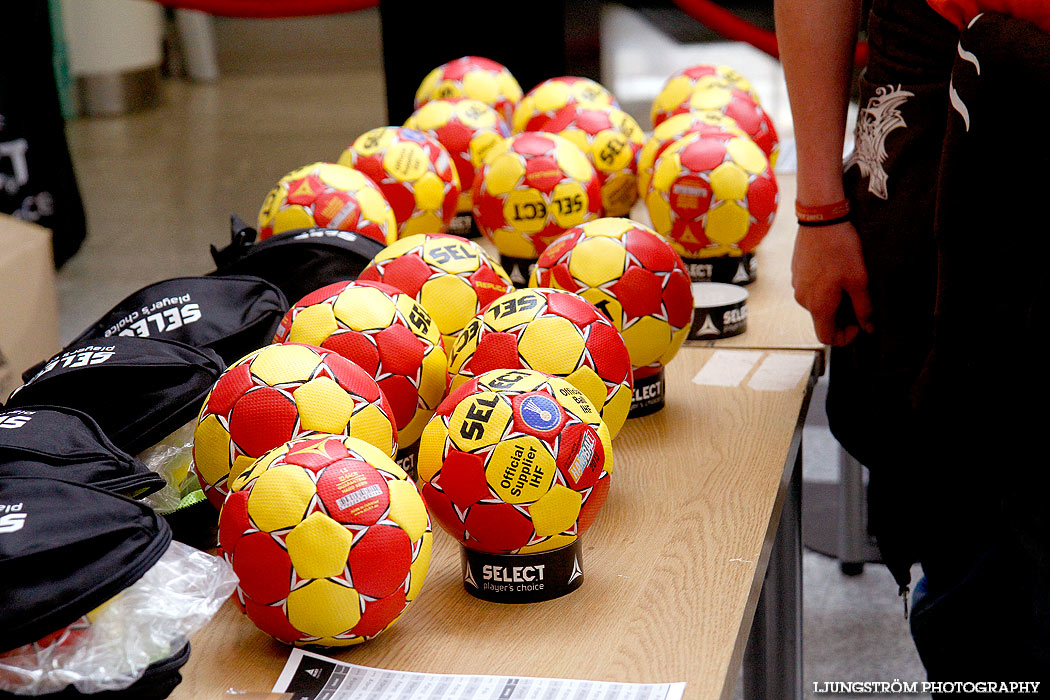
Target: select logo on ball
540, 413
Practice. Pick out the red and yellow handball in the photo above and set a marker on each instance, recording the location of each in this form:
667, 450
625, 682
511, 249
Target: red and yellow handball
385, 332
515, 462
329, 539
633, 276
475, 77
712, 197
413, 171
554, 332
277, 393
611, 138
741, 108
453, 278
531, 189
329, 195
467, 129
710, 124
545, 99
680, 86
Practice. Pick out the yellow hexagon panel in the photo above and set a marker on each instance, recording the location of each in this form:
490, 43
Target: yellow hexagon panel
612, 226
747, 154
430, 191
573, 161
341, 177
729, 181
611, 152
279, 497
463, 347
551, 543
323, 608
569, 205
676, 343
673, 93
431, 448
324, 406
241, 464
575, 401
513, 243
420, 565
450, 300
434, 378
646, 340
430, 116
481, 145
520, 470
513, 380
709, 97
313, 325
659, 212
292, 217
364, 308
407, 508
606, 303
254, 469
591, 385
605, 436
367, 452
513, 309
555, 511
552, 344
418, 318
597, 260
727, 223
319, 546
211, 449
397, 248
374, 427
614, 413
481, 85
451, 255
525, 209
668, 167
478, 421
281, 364
406, 161
423, 222
505, 171
373, 141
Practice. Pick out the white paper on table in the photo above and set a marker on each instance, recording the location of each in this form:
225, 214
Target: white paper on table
309, 676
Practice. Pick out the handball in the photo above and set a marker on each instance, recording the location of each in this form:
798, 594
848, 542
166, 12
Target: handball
712, 197
475, 77
555, 332
633, 276
453, 278
542, 102
710, 124
467, 129
680, 86
531, 189
386, 333
414, 172
281, 392
515, 462
328, 195
329, 539
611, 138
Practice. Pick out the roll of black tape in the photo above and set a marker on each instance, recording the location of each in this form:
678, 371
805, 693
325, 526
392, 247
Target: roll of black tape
726, 269
719, 310
522, 578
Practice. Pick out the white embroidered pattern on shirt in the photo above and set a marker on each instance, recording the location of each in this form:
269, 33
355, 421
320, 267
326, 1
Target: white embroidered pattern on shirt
874, 122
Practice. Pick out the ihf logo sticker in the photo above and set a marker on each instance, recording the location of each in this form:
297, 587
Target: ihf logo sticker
541, 413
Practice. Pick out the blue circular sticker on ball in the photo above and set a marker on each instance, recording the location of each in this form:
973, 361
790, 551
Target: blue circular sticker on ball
540, 412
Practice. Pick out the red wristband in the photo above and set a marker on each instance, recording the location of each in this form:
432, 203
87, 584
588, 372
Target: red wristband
822, 212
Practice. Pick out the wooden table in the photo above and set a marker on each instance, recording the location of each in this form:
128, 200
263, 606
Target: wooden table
673, 565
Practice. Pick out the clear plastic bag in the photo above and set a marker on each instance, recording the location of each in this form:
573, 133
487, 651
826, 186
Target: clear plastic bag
172, 458
110, 647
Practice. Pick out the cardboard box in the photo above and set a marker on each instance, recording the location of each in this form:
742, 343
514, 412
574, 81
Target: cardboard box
28, 300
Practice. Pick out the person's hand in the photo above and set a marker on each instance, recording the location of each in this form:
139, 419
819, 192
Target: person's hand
831, 281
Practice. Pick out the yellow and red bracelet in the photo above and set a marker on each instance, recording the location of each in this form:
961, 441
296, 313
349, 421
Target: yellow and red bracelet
823, 214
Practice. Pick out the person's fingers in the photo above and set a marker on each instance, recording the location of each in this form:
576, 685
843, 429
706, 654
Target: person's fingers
861, 302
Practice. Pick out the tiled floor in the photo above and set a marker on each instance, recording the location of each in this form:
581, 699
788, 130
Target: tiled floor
159, 188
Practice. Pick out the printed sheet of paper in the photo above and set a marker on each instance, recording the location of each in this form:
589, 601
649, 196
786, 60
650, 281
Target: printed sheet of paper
309, 676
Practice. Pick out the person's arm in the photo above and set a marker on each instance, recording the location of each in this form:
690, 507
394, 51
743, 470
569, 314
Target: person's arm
816, 41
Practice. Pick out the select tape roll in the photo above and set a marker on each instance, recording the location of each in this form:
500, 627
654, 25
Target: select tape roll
406, 459
729, 270
719, 310
522, 578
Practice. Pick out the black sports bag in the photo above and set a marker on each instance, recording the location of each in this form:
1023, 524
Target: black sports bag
298, 261
139, 390
63, 443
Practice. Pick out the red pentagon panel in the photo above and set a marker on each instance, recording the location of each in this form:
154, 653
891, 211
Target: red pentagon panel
439, 505
574, 439
263, 419
652, 251
702, 154
304, 190
762, 197
231, 386
487, 285
371, 230
314, 461
462, 478
543, 173
378, 614
353, 492
608, 352
352, 377
678, 299
497, 527
533, 144
380, 560
495, 350
690, 234
564, 278
543, 277
594, 196
451, 203
263, 567
356, 347
449, 403
400, 351
574, 308
372, 166
697, 72
272, 620
639, 292
402, 395
560, 120
233, 521
487, 208
381, 285
455, 70
592, 120
592, 504
400, 198
329, 291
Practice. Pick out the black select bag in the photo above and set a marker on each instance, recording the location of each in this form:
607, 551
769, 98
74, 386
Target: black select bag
139, 390
297, 261
65, 549
63, 443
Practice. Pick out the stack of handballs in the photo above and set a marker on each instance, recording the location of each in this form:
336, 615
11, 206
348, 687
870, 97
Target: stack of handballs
479, 382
